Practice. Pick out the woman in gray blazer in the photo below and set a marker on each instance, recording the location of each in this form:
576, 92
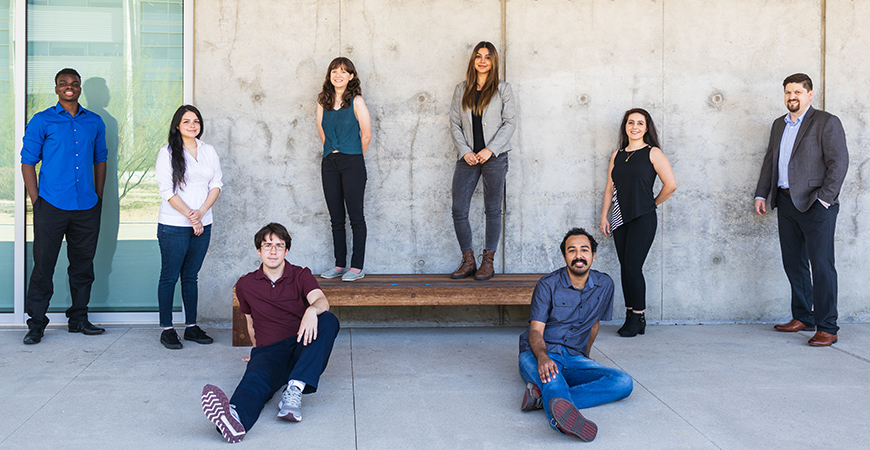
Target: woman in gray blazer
482, 122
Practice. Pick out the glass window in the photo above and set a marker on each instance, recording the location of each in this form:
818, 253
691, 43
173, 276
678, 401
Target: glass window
7, 164
135, 87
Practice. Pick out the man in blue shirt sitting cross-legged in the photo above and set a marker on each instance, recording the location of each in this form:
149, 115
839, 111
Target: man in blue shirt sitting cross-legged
554, 354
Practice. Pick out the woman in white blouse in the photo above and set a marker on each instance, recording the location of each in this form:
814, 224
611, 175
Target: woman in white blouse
189, 179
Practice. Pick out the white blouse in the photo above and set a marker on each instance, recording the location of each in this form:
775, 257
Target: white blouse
201, 175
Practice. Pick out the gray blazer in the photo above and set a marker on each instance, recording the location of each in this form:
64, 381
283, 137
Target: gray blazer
499, 121
818, 163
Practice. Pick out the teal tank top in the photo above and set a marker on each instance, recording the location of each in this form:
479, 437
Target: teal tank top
341, 130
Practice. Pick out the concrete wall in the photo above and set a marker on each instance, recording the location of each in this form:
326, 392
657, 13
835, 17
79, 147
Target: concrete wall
710, 73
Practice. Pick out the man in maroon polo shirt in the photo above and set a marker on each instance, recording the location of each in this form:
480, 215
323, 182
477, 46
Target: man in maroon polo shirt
292, 332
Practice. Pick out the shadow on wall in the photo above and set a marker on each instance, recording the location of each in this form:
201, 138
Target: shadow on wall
97, 95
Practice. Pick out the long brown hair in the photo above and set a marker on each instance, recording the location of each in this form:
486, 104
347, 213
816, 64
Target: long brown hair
489, 87
651, 137
176, 145
326, 98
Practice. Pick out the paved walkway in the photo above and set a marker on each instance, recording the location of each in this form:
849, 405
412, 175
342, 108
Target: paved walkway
696, 387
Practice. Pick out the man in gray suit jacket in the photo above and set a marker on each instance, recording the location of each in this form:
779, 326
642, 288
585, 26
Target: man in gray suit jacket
803, 170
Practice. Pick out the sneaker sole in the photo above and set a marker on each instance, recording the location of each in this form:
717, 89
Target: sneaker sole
530, 401
570, 421
216, 407
289, 415
200, 341
360, 277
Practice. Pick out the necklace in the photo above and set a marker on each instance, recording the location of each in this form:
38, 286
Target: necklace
631, 153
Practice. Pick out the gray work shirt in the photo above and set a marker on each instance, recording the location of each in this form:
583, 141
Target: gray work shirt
569, 313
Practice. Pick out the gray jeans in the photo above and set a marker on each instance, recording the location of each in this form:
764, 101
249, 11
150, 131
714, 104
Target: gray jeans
465, 179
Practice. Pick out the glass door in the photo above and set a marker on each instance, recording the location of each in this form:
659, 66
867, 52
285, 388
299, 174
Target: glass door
130, 56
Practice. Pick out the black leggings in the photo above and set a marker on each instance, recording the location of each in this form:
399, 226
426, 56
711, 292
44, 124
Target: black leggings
344, 185
633, 241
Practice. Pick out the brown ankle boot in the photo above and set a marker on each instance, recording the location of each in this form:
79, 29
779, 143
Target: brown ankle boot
466, 267
486, 271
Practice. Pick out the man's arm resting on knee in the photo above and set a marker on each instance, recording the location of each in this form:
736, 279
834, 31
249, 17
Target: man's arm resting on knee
308, 327
547, 369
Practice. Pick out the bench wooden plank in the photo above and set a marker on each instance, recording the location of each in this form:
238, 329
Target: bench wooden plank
413, 290
430, 289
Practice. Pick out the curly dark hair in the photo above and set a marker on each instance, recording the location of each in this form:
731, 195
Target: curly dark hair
326, 98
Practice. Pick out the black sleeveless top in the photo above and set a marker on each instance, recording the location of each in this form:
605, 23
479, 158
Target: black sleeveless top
633, 176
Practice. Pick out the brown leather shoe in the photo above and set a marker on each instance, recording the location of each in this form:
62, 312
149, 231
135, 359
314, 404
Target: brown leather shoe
466, 267
486, 270
822, 339
794, 325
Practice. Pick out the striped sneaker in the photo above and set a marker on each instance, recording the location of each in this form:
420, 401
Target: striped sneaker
217, 409
532, 398
569, 421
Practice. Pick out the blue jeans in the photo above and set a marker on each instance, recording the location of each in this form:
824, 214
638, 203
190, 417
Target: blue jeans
181, 253
272, 366
581, 380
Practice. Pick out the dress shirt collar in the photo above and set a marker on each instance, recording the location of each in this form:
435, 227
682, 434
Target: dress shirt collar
58, 109
799, 120
566, 281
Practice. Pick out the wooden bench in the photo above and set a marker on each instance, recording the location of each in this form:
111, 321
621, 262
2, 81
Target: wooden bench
414, 290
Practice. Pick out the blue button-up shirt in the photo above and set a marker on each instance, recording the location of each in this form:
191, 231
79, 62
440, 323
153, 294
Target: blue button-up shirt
569, 313
786, 146
68, 147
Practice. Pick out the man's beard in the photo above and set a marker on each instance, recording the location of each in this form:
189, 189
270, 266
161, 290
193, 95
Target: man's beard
795, 108
576, 271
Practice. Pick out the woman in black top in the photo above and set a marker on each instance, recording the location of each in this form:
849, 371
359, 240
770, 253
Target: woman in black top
629, 208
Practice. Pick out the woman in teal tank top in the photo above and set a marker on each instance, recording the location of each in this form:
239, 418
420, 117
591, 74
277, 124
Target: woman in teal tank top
345, 129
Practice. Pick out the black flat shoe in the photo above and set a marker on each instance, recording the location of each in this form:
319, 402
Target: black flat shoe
196, 334
169, 339
85, 328
34, 336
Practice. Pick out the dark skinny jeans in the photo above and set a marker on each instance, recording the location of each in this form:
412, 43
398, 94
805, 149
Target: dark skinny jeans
344, 184
465, 177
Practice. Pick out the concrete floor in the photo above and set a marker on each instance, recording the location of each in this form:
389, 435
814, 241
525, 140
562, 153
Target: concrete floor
697, 387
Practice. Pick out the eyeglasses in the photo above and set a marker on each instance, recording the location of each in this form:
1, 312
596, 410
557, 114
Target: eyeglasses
267, 246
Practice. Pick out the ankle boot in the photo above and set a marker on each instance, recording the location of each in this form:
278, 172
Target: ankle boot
636, 325
628, 313
486, 270
466, 267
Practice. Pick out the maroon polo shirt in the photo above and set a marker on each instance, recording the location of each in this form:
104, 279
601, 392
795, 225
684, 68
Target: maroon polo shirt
276, 308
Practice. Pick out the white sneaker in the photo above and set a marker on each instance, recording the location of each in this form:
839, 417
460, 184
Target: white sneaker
352, 276
290, 406
332, 273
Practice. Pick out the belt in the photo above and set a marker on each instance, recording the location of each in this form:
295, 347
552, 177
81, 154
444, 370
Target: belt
785, 191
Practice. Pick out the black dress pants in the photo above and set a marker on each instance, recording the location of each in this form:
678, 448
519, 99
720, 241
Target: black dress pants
81, 229
806, 240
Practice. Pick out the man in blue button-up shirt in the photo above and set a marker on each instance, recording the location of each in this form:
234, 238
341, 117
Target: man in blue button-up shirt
554, 354
70, 141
